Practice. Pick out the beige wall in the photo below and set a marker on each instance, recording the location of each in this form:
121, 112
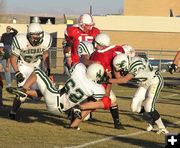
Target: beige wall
147, 40
139, 31
138, 23
22, 28
151, 7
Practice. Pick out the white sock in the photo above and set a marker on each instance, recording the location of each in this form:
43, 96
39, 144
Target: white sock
159, 123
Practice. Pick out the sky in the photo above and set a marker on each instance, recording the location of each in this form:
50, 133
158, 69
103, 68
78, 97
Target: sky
100, 7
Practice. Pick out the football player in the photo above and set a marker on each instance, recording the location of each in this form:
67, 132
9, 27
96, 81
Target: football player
29, 51
83, 31
174, 66
81, 85
150, 84
104, 53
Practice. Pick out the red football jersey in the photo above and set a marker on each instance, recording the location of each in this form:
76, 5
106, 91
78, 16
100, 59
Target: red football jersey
74, 35
106, 56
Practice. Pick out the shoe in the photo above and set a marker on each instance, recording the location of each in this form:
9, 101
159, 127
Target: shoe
118, 126
12, 116
77, 112
19, 92
74, 128
163, 131
150, 127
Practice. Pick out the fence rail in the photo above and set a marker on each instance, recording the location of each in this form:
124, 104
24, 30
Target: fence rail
159, 58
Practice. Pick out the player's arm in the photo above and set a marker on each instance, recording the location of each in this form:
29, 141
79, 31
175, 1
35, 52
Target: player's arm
173, 66
67, 48
13, 60
45, 60
122, 80
86, 60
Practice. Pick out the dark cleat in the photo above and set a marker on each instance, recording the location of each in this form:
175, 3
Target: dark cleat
12, 116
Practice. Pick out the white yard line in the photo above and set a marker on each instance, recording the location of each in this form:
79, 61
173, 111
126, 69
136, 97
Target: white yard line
112, 137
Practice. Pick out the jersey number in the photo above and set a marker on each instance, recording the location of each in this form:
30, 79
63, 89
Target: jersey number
85, 38
77, 95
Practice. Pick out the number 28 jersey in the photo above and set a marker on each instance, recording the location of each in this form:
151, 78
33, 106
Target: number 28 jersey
28, 54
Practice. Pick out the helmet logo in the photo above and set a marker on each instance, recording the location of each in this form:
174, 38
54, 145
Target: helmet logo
99, 74
122, 64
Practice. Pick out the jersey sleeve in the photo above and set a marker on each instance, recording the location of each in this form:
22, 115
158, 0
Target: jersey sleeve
136, 67
15, 47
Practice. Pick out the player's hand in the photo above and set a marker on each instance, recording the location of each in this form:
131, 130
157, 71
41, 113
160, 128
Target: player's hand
19, 77
104, 80
172, 68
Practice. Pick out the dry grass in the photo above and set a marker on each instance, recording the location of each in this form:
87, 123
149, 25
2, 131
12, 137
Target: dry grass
36, 128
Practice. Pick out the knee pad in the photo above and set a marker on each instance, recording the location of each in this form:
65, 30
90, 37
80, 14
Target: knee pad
107, 102
155, 115
147, 116
112, 97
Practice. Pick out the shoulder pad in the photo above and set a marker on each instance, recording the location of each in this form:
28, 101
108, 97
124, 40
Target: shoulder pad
78, 67
47, 40
20, 41
72, 30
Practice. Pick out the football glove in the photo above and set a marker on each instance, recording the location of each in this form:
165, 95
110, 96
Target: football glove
104, 80
19, 77
172, 68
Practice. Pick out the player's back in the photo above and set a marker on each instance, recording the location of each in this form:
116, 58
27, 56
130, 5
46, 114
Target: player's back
106, 56
141, 69
79, 87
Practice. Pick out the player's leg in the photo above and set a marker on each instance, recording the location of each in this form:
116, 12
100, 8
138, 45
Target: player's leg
76, 122
139, 96
114, 110
149, 104
26, 71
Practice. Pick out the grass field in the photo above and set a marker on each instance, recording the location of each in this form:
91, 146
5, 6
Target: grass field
36, 128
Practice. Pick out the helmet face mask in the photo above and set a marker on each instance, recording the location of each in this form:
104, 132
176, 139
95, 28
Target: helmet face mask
35, 34
86, 22
95, 71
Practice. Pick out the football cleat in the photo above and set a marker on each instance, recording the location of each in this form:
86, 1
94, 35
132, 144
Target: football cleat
12, 116
77, 113
118, 126
19, 92
162, 131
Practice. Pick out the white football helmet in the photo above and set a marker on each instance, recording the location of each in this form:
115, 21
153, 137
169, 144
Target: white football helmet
129, 50
121, 62
101, 39
85, 22
95, 71
35, 34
